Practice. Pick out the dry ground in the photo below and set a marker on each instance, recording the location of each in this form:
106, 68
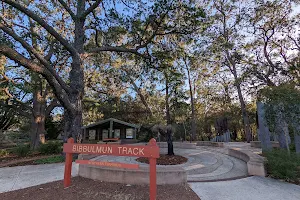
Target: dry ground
83, 188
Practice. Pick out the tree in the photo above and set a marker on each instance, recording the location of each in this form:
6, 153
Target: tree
282, 108
227, 40
67, 26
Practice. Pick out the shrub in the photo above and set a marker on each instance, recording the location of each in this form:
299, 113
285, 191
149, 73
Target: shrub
22, 150
293, 147
18, 136
51, 147
53, 159
280, 165
3, 152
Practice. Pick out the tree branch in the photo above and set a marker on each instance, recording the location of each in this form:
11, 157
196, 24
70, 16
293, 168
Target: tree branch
37, 55
18, 58
117, 49
68, 9
91, 8
54, 103
44, 24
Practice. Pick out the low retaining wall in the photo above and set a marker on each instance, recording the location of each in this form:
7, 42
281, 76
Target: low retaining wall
166, 175
255, 163
257, 144
209, 143
179, 145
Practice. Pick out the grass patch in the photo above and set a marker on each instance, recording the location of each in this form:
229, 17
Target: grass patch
49, 160
282, 166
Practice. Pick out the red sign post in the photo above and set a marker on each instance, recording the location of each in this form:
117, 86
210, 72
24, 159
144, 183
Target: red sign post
150, 151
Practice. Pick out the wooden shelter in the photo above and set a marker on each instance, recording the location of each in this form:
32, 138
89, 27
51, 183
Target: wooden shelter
111, 129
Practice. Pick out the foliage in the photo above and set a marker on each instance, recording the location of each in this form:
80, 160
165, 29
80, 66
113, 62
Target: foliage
22, 150
3, 152
283, 98
51, 147
281, 165
18, 137
7, 116
52, 128
119, 60
52, 159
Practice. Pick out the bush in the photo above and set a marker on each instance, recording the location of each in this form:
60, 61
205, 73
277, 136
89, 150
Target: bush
22, 150
3, 152
53, 159
52, 128
280, 165
293, 147
51, 147
18, 136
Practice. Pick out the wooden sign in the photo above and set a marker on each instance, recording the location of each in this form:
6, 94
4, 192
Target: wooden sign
115, 150
150, 151
108, 164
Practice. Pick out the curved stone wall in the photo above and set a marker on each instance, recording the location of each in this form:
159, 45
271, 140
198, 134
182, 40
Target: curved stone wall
255, 163
168, 175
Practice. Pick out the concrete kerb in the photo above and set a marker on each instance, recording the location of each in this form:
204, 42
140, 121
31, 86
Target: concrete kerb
165, 174
179, 145
209, 143
255, 163
257, 144
174, 174
168, 175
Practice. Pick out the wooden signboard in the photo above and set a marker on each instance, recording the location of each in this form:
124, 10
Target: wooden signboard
150, 151
108, 164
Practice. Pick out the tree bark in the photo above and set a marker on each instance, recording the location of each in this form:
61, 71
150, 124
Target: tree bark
142, 97
74, 115
244, 114
38, 114
168, 117
192, 105
170, 142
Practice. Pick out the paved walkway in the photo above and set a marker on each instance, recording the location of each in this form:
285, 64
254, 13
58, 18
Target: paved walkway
251, 188
204, 163
14, 178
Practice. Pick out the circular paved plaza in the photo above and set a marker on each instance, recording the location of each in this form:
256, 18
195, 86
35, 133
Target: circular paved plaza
204, 163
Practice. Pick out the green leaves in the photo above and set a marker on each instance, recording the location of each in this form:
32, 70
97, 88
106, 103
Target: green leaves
283, 98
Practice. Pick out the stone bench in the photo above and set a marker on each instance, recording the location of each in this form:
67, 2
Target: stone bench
257, 144
255, 163
179, 145
165, 175
209, 143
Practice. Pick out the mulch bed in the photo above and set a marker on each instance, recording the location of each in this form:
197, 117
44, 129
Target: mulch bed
82, 188
166, 160
13, 161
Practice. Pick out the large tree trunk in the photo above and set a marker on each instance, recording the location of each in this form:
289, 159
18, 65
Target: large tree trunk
244, 113
74, 117
73, 121
168, 117
170, 142
263, 129
38, 114
192, 105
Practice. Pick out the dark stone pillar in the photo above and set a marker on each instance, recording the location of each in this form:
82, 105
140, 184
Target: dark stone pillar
263, 129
